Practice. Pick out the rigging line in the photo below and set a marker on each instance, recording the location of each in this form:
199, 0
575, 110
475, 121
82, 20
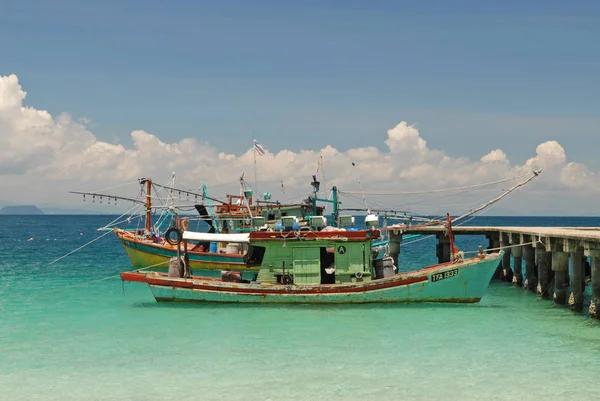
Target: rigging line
475, 215
417, 240
81, 247
492, 202
421, 201
499, 198
444, 190
220, 185
125, 220
507, 246
122, 215
117, 186
158, 197
190, 193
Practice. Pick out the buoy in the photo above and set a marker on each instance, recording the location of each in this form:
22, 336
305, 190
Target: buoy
30, 239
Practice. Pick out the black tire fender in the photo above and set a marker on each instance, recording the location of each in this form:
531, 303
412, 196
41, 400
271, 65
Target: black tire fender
178, 236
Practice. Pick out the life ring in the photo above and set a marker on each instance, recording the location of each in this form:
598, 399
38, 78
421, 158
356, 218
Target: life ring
358, 274
178, 236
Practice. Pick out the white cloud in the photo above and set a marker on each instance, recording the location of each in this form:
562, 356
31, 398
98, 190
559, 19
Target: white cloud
61, 152
495, 156
548, 154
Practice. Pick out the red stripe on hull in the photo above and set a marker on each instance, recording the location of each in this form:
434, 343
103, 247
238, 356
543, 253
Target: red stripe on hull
321, 289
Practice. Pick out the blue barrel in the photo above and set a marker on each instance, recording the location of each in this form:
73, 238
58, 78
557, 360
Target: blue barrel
213, 247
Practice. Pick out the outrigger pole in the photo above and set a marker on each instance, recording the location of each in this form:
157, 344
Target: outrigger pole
449, 221
491, 202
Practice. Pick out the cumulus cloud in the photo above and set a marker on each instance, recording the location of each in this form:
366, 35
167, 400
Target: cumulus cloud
495, 156
548, 154
35, 145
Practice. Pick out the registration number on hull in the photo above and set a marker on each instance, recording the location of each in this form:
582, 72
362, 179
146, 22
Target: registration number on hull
441, 276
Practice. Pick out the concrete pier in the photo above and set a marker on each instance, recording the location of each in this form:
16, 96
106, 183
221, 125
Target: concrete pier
544, 262
545, 252
529, 256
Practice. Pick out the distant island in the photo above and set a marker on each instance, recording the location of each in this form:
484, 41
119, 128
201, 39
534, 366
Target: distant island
26, 209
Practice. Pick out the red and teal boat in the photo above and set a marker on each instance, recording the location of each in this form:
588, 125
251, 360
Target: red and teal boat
324, 267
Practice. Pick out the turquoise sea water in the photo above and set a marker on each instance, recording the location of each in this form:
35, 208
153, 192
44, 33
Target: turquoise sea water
111, 341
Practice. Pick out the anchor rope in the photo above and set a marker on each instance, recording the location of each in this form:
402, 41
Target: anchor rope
100, 279
81, 247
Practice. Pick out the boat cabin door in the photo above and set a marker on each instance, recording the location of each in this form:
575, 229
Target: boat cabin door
307, 266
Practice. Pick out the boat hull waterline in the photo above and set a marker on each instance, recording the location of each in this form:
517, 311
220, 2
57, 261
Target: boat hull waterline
464, 282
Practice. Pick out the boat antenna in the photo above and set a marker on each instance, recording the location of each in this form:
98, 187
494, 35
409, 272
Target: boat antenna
362, 192
254, 152
323, 171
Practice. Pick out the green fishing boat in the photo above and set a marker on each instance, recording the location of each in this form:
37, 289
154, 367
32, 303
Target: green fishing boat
323, 267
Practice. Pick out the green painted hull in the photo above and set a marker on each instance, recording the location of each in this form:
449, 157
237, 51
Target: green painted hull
464, 282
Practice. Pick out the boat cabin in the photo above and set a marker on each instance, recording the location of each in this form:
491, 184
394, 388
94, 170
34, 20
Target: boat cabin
311, 257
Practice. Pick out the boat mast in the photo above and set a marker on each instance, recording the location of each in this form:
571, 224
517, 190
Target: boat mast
210, 209
148, 204
316, 185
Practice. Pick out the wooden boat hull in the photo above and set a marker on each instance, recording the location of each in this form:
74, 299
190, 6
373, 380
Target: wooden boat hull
144, 253
464, 282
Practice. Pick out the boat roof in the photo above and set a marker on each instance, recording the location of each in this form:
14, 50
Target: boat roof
355, 235
198, 236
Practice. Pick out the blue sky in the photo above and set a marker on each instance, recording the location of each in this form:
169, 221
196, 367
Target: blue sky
473, 75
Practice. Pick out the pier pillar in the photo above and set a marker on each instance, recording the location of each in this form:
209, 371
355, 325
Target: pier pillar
560, 266
443, 248
493, 246
517, 253
544, 262
595, 270
577, 283
529, 256
394, 245
507, 273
